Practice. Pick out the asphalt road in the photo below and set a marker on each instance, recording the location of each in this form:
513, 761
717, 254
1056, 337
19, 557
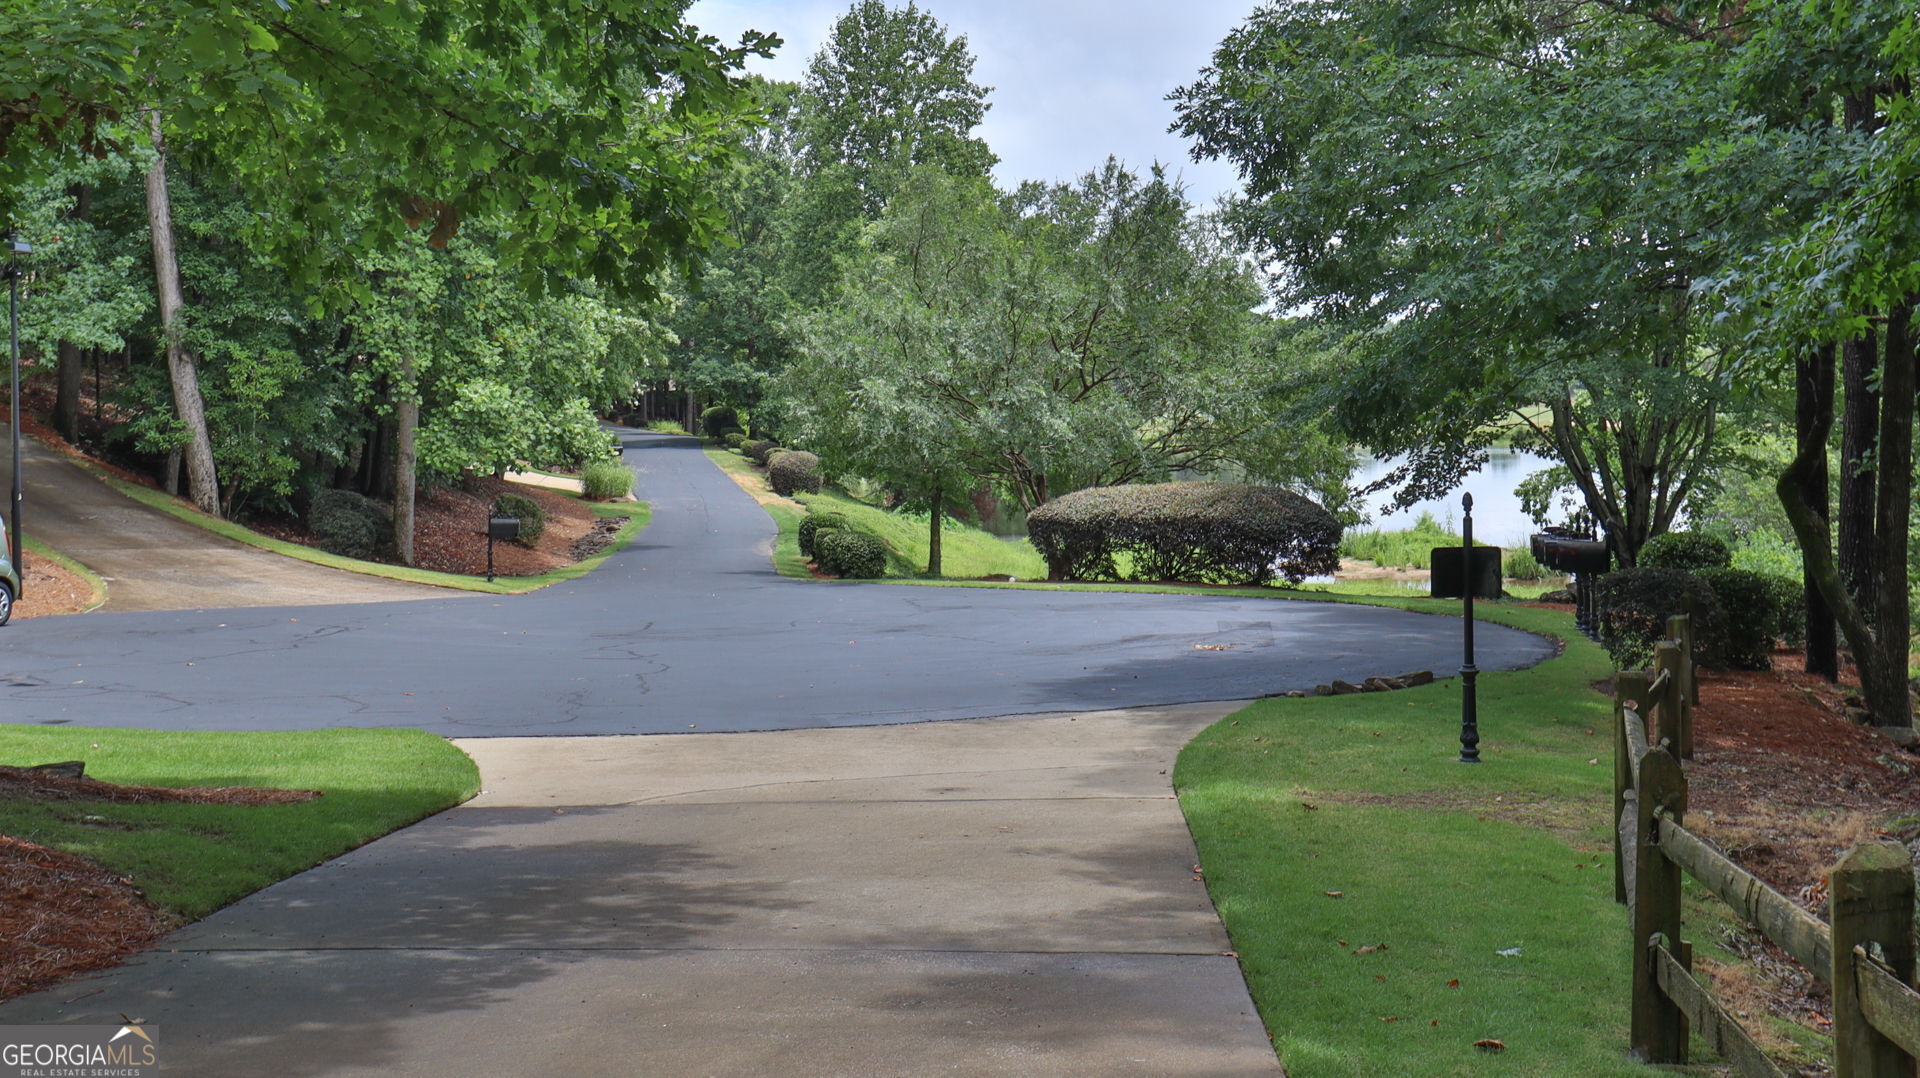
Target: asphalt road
689, 628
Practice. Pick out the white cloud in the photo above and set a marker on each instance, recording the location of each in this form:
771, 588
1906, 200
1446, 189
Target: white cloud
1074, 80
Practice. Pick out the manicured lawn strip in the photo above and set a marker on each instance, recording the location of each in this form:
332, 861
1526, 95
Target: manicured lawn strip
1447, 864
637, 513
966, 552
193, 859
98, 586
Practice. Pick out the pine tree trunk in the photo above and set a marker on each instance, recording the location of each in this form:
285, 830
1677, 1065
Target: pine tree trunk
202, 484
1884, 678
406, 419
1813, 416
72, 361
933, 536
1859, 431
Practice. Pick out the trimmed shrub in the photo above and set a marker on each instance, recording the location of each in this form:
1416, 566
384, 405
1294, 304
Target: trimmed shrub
813, 524
349, 524
533, 519
848, 553
1691, 551
604, 480
718, 420
1220, 533
795, 471
1791, 597
735, 439
757, 451
1634, 605
1750, 616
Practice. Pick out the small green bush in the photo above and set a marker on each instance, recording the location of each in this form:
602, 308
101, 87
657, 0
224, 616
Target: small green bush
735, 439
1634, 605
1221, 533
1408, 547
533, 519
1690, 551
719, 419
813, 524
757, 451
605, 480
795, 471
1750, 617
848, 553
666, 426
349, 524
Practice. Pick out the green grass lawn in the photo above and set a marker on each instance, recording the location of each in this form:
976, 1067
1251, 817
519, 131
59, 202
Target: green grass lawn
966, 552
1444, 863
193, 859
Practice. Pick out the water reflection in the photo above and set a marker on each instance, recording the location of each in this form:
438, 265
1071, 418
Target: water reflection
1497, 517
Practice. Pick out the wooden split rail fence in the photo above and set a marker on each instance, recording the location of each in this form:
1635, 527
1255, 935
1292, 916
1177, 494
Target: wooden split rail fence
1865, 952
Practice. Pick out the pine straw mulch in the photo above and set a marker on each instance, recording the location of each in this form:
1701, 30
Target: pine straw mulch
61, 916
1784, 783
450, 530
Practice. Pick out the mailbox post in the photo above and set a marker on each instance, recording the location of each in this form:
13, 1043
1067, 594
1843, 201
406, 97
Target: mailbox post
1469, 704
499, 527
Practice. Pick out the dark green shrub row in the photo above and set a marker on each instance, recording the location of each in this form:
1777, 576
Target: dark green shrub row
1220, 533
349, 524
1736, 614
793, 472
533, 519
756, 451
813, 524
848, 553
605, 480
1691, 551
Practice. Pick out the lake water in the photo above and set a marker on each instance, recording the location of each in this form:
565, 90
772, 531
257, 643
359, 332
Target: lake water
1497, 517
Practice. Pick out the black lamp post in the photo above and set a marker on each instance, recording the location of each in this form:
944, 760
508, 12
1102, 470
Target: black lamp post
1469, 716
15, 248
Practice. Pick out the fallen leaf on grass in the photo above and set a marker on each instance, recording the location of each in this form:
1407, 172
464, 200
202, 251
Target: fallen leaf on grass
1510, 952
1333, 894
1308, 805
1490, 1045
1455, 983
1370, 948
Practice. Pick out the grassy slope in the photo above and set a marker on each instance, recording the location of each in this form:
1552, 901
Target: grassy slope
1447, 864
966, 553
193, 859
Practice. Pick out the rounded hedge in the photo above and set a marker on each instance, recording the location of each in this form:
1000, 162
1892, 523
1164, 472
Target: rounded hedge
349, 524
813, 524
1219, 533
734, 439
718, 419
604, 480
757, 450
1634, 605
533, 519
1750, 609
1691, 551
793, 472
848, 553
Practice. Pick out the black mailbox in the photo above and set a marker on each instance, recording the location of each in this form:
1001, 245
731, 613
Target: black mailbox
1449, 580
1566, 555
503, 528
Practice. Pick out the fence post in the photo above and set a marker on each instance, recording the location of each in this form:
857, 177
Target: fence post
1680, 630
1872, 894
1676, 714
1659, 1029
1627, 685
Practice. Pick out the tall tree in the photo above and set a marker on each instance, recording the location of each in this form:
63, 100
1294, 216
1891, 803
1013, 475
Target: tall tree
891, 90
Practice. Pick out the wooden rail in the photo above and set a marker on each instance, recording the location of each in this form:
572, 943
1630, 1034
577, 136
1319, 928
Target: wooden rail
1865, 952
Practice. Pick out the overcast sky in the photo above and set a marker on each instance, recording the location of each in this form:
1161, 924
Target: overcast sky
1073, 80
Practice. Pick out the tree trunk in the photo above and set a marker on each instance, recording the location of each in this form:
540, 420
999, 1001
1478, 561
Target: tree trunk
1859, 430
406, 419
202, 485
72, 362
1884, 678
933, 535
1813, 415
